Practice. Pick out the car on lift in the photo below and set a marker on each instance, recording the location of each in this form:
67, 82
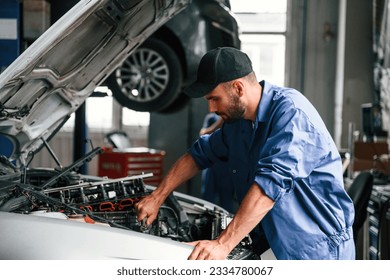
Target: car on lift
152, 78
59, 213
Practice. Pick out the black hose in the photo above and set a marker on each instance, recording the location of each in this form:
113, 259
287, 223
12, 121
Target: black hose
15, 204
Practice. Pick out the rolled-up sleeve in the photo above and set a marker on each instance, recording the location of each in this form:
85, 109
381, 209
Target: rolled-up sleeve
294, 148
208, 149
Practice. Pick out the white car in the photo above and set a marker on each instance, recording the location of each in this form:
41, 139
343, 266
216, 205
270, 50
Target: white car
59, 213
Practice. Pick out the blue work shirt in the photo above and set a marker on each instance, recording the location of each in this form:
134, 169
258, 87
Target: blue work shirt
289, 153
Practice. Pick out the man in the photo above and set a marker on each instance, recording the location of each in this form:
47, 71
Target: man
284, 165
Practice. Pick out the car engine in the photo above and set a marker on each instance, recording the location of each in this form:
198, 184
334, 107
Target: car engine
111, 201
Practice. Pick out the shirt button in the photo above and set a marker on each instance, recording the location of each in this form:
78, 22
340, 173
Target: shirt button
234, 171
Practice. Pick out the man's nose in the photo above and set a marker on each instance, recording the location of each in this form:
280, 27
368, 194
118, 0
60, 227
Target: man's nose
212, 108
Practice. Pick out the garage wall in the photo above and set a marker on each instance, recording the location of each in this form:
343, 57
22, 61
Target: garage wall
320, 52
359, 60
312, 58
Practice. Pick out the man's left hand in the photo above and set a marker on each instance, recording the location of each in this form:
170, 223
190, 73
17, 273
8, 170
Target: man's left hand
208, 250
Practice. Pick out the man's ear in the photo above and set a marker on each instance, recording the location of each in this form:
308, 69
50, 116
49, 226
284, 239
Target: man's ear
238, 87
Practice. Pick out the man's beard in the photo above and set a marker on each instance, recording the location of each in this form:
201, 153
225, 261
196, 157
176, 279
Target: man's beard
235, 111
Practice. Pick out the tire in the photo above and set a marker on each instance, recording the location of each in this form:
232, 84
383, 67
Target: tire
180, 102
149, 80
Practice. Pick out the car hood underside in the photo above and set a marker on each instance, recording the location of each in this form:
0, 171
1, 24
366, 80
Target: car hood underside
53, 77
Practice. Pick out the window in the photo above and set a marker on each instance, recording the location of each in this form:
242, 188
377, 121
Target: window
134, 118
263, 36
100, 114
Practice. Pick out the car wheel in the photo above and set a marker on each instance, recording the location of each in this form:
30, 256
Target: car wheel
180, 102
149, 80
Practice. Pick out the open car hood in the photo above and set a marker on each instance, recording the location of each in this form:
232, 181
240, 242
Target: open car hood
53, 77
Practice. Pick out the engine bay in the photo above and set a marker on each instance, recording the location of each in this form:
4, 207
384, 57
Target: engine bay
111, 202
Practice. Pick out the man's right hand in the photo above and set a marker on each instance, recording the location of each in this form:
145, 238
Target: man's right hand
147, 209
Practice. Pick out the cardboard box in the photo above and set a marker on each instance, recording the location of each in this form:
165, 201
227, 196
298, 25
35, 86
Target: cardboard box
368, 150
371, 156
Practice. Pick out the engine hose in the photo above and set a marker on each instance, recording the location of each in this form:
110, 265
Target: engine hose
4, 196
15, 204
174, 214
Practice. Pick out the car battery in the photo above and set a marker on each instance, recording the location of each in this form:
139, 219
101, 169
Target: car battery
379, 223
118, 163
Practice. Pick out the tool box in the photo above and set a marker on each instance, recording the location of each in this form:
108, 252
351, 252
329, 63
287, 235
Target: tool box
117, 163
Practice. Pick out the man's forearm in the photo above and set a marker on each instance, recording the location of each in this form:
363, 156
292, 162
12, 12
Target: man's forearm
252, 210
184, 169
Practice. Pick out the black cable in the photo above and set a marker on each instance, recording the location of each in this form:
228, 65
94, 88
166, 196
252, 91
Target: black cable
176, 218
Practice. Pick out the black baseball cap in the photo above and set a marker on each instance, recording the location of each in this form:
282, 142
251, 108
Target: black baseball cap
218, 66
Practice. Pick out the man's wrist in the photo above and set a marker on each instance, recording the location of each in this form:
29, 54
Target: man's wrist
227, 240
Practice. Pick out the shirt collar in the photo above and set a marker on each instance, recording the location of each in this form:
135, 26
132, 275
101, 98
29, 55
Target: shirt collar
265, 103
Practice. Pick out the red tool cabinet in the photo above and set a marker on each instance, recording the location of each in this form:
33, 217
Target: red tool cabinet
115, 163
